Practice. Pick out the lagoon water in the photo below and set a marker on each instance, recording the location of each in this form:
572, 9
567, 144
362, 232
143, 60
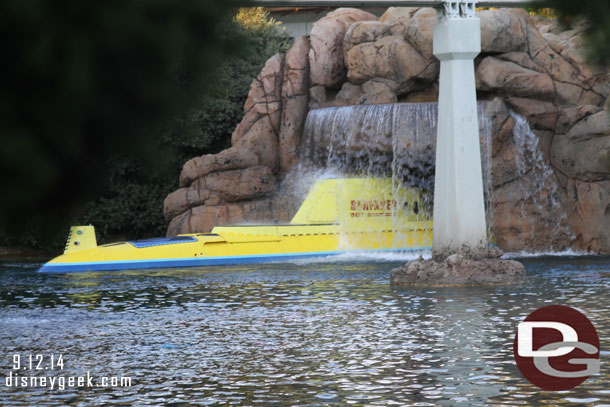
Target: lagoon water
328, 332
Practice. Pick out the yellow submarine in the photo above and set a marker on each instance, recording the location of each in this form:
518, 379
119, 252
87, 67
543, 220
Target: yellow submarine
339, 215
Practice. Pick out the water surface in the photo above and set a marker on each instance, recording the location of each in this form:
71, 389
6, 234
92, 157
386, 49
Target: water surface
310, 333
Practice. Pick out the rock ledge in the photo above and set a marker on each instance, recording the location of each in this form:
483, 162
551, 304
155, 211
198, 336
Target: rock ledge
459, 269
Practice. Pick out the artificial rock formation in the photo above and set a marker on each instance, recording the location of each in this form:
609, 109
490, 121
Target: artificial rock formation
326, 54
234, 185
458, 270
464, 267
550, 147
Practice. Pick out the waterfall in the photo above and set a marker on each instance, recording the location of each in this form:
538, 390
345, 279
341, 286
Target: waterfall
485, 136
393, 140
399, 141
538, 191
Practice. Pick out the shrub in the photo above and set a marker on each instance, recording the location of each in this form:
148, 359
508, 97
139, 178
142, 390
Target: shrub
133, 207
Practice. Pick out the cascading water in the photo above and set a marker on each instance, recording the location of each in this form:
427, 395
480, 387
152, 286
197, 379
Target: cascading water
537, 187
398, 141
485, 136
390, 140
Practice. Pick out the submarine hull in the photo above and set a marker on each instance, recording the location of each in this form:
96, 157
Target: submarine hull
292, 243
337, 216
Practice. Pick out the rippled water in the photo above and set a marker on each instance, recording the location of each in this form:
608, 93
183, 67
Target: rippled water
318, 333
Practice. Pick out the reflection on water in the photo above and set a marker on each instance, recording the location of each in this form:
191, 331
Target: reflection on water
320, 333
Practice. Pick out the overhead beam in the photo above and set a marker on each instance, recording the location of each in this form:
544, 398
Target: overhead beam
384, 3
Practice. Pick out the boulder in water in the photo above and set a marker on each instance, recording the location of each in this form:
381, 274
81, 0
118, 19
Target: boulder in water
465, 267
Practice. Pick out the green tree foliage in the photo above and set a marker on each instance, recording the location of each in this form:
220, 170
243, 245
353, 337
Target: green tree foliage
134, 206
82, 81
207, 127
92, 100
543, 12
597, 14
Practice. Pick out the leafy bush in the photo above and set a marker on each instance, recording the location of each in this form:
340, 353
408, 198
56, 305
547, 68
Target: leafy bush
132, 185
82, 81
133, 208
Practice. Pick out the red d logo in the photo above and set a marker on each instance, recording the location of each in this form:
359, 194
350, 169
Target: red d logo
556, 348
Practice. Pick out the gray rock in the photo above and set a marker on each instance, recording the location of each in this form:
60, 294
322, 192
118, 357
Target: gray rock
317, 97
501, 31
511, 79
326, 54
376, 93
295, 98
348, 95
584, 153
459, 269
364, 31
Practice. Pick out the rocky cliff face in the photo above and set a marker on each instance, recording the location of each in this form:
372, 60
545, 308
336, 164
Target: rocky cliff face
550, 150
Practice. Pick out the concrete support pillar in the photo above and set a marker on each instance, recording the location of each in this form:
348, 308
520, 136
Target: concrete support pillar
459, 211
